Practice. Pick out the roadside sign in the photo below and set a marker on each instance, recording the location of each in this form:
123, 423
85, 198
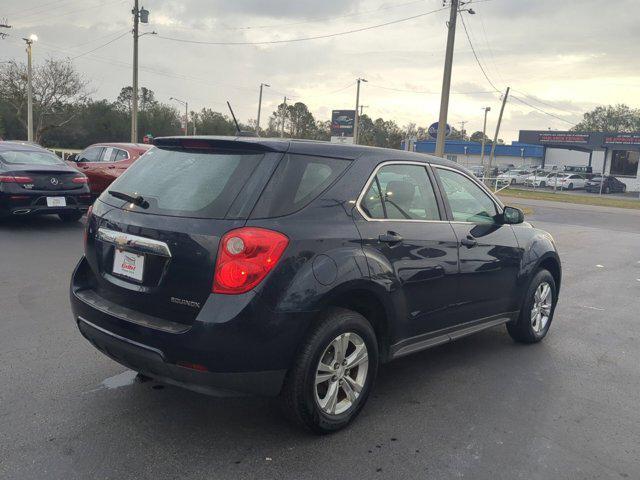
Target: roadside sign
433, 130
342, 123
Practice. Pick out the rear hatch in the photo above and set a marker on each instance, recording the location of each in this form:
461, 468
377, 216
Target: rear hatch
156, 255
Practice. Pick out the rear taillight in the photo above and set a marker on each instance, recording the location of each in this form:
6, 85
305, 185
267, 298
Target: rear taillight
245, 257
12, 179
82, 179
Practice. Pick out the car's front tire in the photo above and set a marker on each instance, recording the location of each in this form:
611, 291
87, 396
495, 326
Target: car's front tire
333, 373
71, 216
537, 310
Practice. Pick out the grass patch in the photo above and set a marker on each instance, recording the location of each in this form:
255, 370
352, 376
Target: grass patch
593, 199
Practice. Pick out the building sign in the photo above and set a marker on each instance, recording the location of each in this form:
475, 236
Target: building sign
563, 137
622, 139
342, 123
433, 130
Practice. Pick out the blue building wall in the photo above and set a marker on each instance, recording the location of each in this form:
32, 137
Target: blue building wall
457, 147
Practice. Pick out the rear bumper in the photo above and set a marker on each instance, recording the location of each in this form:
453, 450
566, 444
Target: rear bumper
35, 203
152, 362
235, 343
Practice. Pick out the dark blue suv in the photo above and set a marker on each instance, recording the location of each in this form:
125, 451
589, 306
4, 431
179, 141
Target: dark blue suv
296, 268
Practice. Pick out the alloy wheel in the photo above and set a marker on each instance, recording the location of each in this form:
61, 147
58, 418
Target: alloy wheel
541, 309
341, 373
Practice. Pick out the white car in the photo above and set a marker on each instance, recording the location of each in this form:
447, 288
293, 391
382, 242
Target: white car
541, 178
513, 177
567, 181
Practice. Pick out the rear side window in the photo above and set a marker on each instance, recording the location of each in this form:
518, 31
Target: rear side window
298, 180
186, 183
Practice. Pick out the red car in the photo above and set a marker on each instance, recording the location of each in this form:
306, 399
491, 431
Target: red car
102, 163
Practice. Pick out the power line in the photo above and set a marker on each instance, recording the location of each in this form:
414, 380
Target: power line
425, 92
542, 111
309, 20
101, 46
476, 55
303, 39
534, 99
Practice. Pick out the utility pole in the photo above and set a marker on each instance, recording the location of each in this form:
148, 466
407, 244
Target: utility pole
462, 124
495, 137
260, 107
283, 116
356, 120
362, 107
140, 15
484, 134
446, 79
32, 38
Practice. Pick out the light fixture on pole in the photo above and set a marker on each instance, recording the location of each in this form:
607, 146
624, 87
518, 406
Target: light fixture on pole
32, 38
446, 77
186, 113
260, 107
140, 15
356, 122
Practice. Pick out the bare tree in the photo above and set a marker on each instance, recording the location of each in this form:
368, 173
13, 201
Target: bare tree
58, 91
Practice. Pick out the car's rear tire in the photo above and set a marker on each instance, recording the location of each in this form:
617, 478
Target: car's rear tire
570, 186
333, 373
607, 190
543, 184
537, 310
71, 216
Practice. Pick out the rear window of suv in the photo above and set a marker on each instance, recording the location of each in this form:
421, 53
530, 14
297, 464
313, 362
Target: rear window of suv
298, 180
197, 183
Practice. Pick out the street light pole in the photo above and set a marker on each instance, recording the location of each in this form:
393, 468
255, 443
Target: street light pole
186, 114
260, 108
484, 134
30, 40
356, 121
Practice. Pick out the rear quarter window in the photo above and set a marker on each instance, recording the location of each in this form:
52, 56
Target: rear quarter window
298, 180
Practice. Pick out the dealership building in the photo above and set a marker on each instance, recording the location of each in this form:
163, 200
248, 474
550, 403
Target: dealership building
616, 154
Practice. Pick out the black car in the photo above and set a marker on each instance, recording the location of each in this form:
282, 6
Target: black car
609, 185
34, 181
296, 268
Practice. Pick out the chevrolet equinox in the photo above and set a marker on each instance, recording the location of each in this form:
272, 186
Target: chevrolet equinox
296, 268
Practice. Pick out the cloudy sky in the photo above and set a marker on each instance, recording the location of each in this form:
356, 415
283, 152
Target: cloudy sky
562, 57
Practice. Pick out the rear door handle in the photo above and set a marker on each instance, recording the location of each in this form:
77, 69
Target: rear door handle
390, 237
469, 241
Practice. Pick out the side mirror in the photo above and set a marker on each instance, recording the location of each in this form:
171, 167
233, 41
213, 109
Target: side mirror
512, 216
72, 158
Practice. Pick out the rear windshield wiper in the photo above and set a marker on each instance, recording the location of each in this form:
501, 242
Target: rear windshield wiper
136, 200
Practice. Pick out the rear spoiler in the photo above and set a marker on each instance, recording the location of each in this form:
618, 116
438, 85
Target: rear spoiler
221, 144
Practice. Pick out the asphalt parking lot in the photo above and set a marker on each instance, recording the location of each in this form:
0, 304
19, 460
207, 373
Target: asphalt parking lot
481, 408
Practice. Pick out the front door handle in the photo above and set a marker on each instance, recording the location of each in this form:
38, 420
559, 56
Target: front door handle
469, 241
390, 237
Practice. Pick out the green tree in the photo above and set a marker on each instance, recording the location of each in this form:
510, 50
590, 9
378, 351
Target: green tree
300, 121
209, 122
610, 118
58, 91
